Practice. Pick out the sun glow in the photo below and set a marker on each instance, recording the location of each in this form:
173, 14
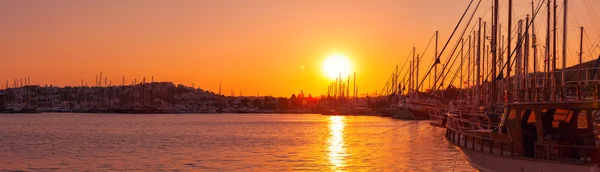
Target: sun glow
336, 65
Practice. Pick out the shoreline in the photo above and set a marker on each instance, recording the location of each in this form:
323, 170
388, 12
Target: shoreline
112, 112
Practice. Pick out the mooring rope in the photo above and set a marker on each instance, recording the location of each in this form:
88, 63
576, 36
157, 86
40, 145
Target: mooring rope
398, 127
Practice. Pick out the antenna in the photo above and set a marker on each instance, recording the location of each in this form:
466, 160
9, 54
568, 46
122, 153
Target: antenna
100, 83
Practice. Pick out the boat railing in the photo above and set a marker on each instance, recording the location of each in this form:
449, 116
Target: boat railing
536, 88
438, 116
582, 90
480, 143
567, 153
462, 122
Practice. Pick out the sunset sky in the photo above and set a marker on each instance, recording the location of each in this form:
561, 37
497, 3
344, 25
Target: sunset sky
271, 47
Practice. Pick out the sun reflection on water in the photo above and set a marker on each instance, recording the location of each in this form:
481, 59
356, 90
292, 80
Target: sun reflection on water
337, 149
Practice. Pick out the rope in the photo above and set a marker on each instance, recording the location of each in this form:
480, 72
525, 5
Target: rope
399, 127
454, 50
447, 42
419, 59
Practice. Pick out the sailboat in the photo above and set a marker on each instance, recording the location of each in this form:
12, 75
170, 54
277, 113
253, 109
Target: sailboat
532, 121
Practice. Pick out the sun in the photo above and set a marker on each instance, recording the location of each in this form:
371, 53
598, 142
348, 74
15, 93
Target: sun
336, 65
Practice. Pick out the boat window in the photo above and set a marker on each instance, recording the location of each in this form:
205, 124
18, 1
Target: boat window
511, 122
569, 116
512, 115
582, 122
561, 115
531, 118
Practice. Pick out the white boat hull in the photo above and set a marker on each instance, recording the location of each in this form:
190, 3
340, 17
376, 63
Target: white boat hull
501, 163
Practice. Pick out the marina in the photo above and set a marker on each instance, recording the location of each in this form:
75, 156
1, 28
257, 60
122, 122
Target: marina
475, 85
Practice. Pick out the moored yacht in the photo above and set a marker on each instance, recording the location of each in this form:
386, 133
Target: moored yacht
537, 136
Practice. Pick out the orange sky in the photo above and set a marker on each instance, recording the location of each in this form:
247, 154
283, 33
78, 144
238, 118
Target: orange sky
254, 46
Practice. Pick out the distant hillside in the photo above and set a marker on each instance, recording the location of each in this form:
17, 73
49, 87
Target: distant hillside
572, 75
572, 71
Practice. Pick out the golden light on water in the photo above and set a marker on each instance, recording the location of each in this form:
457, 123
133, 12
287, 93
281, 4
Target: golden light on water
337, 150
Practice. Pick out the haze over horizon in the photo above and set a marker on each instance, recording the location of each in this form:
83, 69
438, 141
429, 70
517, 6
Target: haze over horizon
271, 47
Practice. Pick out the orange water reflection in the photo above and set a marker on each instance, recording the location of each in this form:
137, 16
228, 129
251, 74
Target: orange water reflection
337, 149
224, 142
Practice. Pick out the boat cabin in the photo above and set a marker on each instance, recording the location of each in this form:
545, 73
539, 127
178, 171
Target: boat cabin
556, 131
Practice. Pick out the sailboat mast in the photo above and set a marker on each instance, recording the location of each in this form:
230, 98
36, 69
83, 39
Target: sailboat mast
554, 52
484, 52
494, 49
526, 82
414, 68
347, 89
340, 90
580, 58
356, 92
354, 83
474, 67
508, 90
410, 83
436, 61
547, 60
519, 56
501, 41
462, 58
534, 46
580, 52
564, 51
469, 66
394, 80
417, 74
100, 81
480, 91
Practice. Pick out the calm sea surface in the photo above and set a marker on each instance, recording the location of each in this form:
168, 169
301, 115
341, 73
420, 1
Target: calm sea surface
222, 142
